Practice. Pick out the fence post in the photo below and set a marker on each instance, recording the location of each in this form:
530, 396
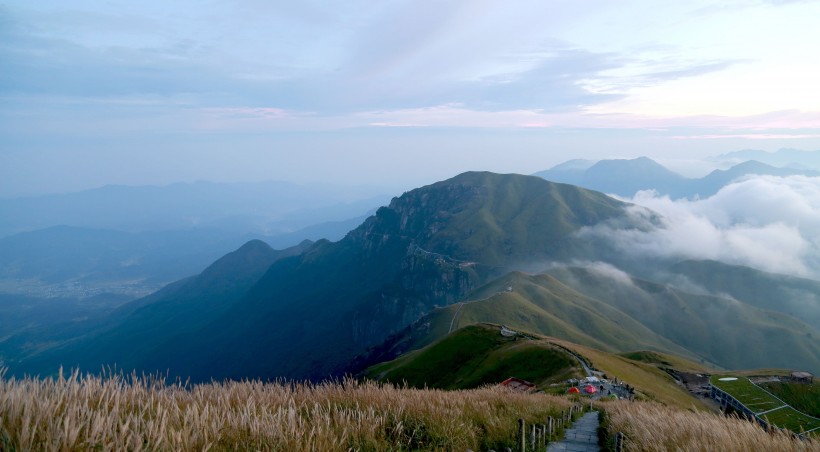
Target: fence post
532, 437
543, 435
619, 442
549, 421
522, 436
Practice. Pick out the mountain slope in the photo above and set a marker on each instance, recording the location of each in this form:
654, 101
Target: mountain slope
138, 328
797, 297
431, 246
729, 332
536, 303
614, 312
477, 355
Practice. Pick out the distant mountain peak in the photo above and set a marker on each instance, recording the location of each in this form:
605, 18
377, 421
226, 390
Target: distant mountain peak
254, 244
625, 177
574, 165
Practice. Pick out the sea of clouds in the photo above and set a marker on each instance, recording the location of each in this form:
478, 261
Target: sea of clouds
766, 222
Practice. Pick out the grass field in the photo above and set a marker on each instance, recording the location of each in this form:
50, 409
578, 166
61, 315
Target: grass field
90, 413
650, 426
765, 405
803, 397
116, 413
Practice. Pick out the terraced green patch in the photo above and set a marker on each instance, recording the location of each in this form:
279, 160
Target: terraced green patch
803, 397
765, 405
793, 420
747, 393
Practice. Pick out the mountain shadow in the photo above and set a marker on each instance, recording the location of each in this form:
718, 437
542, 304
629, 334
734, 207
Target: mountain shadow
138, 331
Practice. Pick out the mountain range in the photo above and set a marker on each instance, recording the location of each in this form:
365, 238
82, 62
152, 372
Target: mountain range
266, 208
627, 177
480, 247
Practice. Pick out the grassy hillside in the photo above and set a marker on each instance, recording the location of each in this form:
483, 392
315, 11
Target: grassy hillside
474, 352
729, 332
803, 397
655, 427
542, 304
797, 297
477, 355
668, 360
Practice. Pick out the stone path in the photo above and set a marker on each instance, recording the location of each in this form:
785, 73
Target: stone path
582, 437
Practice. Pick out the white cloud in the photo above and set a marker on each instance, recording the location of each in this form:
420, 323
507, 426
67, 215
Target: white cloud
770, 223
606, 270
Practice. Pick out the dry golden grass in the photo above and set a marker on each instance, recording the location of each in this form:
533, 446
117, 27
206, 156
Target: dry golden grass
650, 426
115, 413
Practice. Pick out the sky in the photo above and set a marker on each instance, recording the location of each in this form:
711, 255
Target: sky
392, 93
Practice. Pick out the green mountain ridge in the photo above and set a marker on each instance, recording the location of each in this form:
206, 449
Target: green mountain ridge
621, 315
431, 246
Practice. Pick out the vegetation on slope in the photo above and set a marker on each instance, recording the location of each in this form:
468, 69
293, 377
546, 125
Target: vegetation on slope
803, 397
650, 381
430, 247
766, 405
797, 297
728, 332
91, 413
654, 427
543, 304
667, 360
477, 355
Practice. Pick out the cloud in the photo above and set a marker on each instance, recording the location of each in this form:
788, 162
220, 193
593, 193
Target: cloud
770, 223
606, 270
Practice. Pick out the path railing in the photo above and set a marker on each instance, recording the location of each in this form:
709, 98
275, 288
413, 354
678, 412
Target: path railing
536, 437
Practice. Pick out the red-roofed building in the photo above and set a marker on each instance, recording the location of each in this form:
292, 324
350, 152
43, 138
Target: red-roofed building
517, 384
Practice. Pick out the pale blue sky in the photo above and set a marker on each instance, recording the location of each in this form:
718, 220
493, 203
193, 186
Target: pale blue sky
396, 93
